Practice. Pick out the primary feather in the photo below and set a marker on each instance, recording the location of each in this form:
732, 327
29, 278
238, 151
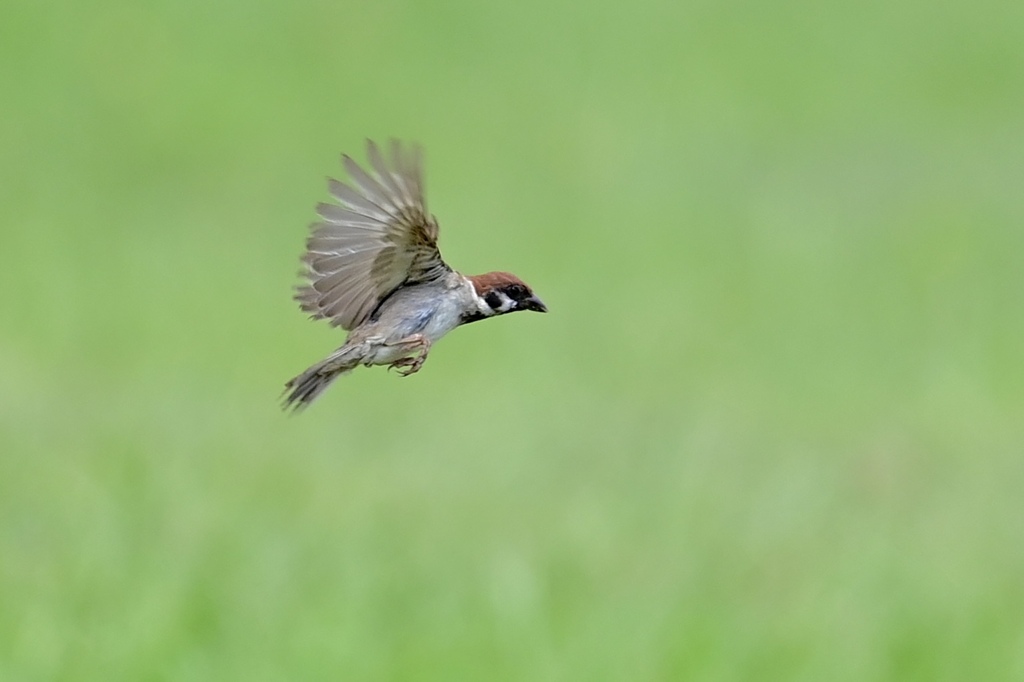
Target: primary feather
378, 239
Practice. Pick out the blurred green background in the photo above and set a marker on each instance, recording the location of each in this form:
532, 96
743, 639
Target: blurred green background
771, 429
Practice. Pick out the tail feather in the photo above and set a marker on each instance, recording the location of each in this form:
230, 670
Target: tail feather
302, 390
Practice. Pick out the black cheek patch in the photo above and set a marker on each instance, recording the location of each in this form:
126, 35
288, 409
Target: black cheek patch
493, 300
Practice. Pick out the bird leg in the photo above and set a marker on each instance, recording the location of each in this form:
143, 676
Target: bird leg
418, 346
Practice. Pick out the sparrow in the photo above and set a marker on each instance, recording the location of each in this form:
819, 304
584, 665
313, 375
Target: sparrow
372, 267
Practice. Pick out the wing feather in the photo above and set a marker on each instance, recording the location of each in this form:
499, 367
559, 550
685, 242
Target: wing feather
356, 202
385, 174
379, 238
372, 189
408, 174
332, 213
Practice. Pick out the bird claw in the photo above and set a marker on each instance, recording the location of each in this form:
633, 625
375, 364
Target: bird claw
412, 364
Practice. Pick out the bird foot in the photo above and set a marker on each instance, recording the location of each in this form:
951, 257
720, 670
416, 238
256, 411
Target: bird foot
412, 365
416, 344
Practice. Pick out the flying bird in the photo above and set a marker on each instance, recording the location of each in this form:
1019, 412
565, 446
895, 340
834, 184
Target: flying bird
372, 267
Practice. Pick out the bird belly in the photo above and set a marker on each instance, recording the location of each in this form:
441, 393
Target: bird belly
430, 323
444, 319
385, 355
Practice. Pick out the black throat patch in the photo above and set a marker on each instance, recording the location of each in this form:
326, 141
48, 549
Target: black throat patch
474, 316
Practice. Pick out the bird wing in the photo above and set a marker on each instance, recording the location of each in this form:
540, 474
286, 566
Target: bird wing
380, 238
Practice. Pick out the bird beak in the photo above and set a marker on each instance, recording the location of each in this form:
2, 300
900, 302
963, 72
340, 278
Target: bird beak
534, 303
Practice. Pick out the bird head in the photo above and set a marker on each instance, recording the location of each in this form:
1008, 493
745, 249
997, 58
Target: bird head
503, 292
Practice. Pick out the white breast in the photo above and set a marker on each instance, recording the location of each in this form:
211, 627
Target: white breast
460, 300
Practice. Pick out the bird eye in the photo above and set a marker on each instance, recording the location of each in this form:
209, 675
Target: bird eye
493, 299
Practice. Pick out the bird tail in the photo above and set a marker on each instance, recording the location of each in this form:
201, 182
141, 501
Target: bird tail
306, 387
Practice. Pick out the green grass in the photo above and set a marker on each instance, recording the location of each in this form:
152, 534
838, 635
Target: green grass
771, 429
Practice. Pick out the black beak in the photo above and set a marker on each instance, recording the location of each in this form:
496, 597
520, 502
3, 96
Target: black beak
534, 303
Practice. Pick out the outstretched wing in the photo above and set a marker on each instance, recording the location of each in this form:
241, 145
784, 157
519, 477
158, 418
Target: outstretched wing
378, 239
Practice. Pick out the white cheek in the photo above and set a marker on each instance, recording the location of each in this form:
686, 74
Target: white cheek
481, 305
506, 304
